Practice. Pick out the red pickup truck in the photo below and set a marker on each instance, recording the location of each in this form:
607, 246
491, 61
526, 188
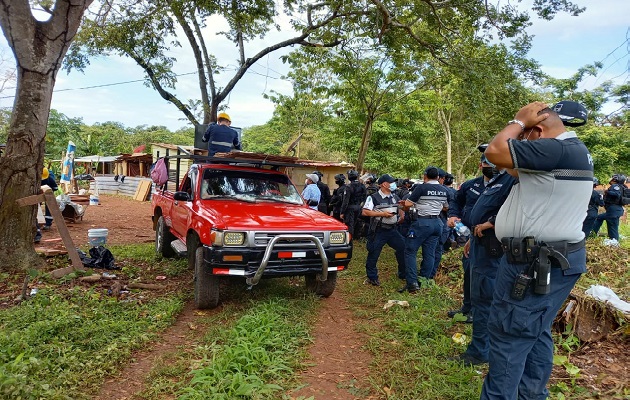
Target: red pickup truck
246, 219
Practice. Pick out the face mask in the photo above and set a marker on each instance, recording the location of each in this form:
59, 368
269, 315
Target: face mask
306, 181
488, 172
392, 186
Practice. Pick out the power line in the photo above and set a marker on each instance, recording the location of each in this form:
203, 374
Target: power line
625, 42
234, 68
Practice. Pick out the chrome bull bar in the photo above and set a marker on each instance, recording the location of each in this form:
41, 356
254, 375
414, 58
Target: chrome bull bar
288, 238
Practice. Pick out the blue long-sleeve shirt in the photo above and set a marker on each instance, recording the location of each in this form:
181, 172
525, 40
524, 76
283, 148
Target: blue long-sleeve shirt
220, 139
311, 193
465, 199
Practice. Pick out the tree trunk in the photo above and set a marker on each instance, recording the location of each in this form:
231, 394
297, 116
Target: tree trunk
21, 169
365, 142
39, 47
446, 127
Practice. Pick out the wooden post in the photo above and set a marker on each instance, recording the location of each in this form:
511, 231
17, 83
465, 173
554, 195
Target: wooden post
49, 198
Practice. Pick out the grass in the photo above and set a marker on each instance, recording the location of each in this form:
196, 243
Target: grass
64, 341
253, 346
57, 345
411, 345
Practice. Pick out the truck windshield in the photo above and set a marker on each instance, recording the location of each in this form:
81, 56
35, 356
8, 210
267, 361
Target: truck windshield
248, 186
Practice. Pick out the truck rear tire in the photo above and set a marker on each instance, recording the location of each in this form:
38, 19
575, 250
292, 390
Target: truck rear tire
163, 239
323, 289
206, 284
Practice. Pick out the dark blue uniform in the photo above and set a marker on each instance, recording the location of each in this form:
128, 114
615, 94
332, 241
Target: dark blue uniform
591, 214
446, 232
555, 184
614, 211
382, 231
429, 199
220, 139
355, 195
460, 207
485, 256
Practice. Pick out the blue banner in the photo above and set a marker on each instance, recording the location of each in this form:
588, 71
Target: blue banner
67, 168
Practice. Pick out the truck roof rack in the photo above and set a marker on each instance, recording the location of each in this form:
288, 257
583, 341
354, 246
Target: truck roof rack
263, 160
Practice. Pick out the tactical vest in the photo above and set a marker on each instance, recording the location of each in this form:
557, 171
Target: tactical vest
357, 193
381, 203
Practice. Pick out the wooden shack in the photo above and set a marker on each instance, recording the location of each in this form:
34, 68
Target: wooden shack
96, 164
164, 149
136, 164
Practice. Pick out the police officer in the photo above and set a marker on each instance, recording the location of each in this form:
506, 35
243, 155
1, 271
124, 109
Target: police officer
338, 195
597, 200
382, 210
371, 186
324, 202
450, 234
484, 251
459, 210
446, 230
425, 204
220, 136
613, 203
352, 202
540, 226
403, 189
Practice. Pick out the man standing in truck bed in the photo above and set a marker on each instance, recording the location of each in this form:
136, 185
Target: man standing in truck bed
220, 136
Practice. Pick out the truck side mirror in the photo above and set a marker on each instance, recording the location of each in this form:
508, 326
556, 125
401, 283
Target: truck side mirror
181, 196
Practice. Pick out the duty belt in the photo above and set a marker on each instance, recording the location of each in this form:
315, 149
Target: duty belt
526, 250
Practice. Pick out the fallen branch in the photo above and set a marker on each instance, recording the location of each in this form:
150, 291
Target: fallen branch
150, 286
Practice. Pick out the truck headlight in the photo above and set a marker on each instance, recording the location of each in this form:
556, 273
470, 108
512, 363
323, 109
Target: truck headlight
337, 237
233, 238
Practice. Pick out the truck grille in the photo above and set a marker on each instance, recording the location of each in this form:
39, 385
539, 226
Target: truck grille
261, 239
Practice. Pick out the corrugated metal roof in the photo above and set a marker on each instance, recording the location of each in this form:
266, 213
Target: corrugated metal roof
96, 158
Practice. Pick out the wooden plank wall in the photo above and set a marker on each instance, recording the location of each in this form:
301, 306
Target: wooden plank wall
107, 185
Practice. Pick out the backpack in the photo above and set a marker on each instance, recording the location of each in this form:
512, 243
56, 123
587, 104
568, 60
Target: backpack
625, 195
159, 174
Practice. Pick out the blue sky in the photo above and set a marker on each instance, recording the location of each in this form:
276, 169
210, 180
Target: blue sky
601, 33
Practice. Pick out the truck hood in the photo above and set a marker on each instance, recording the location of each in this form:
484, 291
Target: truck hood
270, 216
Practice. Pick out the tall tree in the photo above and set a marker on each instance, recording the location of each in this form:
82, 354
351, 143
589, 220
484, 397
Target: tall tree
146, 31
38, 47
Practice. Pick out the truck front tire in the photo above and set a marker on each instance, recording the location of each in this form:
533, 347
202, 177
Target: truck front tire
163, 239
323, 289
206, 284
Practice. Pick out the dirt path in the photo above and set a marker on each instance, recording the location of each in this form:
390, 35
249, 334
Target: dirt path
131, 379
340, 365
127, 221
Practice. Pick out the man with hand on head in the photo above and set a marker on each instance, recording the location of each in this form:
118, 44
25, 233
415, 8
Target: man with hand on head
540, 228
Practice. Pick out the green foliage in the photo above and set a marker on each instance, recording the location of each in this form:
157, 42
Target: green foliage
104, 138
257, 351
57, 344
610, 148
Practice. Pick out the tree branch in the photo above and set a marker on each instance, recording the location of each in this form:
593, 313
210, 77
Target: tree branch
163, 92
